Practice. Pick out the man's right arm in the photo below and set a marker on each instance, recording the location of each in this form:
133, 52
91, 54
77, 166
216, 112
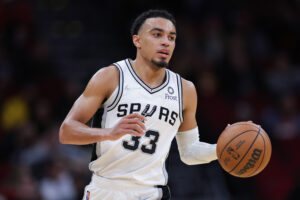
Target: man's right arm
74, 129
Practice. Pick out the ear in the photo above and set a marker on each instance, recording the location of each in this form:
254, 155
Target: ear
136, 41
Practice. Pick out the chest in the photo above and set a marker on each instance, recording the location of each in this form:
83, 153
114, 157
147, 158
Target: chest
159, 107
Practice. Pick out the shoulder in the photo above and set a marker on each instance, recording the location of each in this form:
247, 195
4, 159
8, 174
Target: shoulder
188, 86
105, 80
106, 73
189, 92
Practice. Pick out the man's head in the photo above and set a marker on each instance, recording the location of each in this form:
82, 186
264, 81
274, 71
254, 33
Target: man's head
154, 33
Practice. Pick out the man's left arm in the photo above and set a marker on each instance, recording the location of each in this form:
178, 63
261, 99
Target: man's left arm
192, 151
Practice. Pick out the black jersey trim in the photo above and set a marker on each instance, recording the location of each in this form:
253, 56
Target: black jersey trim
180, 96
96, 123
166, 194
164, 168
144, 85
120, 88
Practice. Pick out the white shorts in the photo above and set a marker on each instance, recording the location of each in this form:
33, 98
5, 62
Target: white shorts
105, 189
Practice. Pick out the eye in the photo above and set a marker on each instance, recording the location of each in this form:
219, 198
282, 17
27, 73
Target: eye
171, 38
156, 34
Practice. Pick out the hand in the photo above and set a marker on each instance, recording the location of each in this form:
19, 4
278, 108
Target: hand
250, 121
130, 124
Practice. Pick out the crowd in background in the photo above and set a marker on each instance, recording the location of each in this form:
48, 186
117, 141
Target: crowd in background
243, 57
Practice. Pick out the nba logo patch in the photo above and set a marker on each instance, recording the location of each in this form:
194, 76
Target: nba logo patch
87, 195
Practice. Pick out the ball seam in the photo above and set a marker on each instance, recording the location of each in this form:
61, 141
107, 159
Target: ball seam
246, 152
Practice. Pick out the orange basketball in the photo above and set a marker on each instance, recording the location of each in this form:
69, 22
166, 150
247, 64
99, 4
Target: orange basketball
244, 149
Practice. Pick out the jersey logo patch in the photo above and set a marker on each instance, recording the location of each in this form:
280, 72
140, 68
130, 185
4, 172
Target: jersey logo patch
170, 90
170, 96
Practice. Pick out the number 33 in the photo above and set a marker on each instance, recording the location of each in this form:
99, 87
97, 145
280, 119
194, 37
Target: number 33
136, 140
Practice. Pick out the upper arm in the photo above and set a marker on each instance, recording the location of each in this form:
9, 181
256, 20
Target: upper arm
189, 106
95, 92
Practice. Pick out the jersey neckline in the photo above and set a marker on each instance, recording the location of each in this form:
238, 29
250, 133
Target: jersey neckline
144, 85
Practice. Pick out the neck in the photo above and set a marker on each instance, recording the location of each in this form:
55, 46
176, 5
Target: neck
149, 73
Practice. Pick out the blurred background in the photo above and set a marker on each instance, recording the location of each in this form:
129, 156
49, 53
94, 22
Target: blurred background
243, 57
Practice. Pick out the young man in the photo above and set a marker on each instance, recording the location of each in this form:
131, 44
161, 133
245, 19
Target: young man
145, 106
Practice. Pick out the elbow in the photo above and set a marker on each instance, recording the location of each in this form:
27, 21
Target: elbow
206, 161
63, 133
191, 160
186, 159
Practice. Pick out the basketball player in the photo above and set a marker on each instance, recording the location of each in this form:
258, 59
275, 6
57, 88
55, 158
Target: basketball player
145, 105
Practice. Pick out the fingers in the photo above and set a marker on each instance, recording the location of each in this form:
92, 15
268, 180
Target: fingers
135, 118
135, 121
132, 132
134, 124
136, 115
253, 123
134, 127
250, 121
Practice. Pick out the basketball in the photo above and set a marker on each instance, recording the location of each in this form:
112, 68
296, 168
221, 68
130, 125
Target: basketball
243, 149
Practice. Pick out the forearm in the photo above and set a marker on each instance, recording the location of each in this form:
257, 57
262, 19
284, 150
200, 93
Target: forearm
192, 151
75, 132
199, 153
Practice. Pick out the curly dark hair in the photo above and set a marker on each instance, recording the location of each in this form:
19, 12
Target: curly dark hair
139, 21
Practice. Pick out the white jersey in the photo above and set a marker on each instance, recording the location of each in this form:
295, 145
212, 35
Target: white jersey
140, 160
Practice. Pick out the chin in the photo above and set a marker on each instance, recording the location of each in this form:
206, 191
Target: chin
160, 63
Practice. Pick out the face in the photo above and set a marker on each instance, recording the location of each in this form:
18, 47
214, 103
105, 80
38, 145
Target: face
155, 41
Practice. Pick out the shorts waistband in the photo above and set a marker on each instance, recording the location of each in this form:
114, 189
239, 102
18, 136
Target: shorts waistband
116, 184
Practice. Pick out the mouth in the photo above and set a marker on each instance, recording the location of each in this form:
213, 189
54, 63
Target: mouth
163, 53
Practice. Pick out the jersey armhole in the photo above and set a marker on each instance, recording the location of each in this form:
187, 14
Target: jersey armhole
115, 100
179, 86
96, 123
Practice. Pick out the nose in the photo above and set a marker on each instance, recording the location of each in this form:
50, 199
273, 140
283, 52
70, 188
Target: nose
165, 41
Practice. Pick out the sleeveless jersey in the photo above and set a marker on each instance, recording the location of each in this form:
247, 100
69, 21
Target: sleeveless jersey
140, 160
